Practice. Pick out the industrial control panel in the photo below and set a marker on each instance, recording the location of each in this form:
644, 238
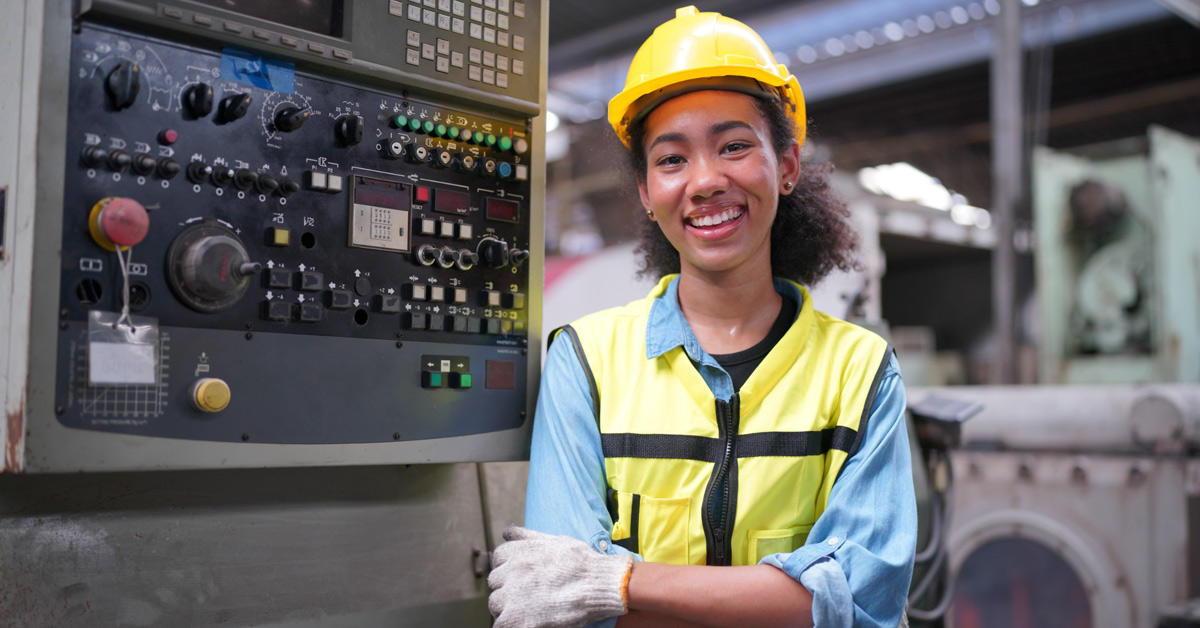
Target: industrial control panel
285, 233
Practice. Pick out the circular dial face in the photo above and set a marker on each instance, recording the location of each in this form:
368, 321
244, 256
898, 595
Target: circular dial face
208, 267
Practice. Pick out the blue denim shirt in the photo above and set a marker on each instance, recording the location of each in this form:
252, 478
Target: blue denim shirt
857, 561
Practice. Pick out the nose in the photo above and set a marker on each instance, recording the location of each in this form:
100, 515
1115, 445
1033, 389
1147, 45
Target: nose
707, 178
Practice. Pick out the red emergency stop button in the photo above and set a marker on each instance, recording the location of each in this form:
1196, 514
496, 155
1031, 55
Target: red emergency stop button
118, 221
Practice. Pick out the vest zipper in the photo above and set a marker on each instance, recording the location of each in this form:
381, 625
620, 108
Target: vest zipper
719, 524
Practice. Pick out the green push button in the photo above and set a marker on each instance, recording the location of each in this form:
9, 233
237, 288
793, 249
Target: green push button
400, 121
505, 143
428, 127
490, 140
453, 132
460, 380
441, 130
432, 380
414, 124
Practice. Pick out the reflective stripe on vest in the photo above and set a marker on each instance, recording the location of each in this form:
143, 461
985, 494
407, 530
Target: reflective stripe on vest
778, 444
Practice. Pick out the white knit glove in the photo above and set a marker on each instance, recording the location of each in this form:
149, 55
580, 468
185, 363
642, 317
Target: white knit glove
544, 581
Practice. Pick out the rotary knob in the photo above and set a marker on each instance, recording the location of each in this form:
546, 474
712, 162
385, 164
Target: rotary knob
208, 267
123, 84
198, 100
493, 252
349, 130
291, 118
233, 107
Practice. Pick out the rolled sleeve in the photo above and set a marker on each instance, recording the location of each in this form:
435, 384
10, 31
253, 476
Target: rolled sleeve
858, 559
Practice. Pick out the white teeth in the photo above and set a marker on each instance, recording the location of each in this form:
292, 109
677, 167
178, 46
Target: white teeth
715, 219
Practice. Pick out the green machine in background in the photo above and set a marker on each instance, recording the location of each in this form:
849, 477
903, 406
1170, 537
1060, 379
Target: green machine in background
1116, 262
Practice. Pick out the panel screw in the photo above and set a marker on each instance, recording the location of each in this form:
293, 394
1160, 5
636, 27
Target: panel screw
249, 335
249, 325
245, 437
62, 325
524, 351
63, 313
395, 435
59, 410
522, 414
399, 344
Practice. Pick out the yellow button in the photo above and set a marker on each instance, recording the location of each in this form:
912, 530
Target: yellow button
280, 237
210, 394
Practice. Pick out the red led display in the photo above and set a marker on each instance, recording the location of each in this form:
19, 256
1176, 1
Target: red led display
503, 210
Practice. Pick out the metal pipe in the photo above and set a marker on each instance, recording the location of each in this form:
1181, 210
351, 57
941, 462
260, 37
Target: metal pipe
1006, 183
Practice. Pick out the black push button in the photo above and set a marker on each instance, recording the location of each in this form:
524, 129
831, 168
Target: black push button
493, 325
278, 311
416, 320
389, 304
279, 278
311, 281
311, 312
513, 300
460, 323
437, 322
340, 299
473, 325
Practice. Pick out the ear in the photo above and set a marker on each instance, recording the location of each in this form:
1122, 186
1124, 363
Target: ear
644, 194
789, 164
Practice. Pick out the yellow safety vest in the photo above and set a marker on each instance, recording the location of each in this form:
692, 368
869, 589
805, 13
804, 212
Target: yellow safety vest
778, 444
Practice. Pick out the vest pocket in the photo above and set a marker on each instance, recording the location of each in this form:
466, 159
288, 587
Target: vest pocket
657, 528
763, 543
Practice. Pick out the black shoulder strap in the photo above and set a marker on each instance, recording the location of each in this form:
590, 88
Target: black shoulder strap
583, 361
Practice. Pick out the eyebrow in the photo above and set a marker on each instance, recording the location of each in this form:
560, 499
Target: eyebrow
715, 129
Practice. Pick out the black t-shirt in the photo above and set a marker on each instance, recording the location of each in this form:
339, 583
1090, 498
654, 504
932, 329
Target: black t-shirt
741, 364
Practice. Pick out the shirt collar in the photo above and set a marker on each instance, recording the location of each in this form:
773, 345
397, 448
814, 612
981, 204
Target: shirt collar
666, 327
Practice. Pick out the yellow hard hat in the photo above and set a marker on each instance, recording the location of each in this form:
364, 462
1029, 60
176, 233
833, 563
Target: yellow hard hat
698, 51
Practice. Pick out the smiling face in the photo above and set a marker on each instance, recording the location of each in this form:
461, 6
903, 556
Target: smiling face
713, 180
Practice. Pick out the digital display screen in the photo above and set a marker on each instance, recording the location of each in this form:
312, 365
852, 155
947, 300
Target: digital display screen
316, 16
380, 193
503, 210
448, 202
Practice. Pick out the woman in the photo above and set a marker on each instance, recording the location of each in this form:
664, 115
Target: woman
719, 453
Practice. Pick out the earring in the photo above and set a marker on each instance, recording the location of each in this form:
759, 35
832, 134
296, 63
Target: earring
650, 214
787, 186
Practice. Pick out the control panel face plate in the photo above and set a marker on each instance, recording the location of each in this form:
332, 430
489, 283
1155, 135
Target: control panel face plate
309, 243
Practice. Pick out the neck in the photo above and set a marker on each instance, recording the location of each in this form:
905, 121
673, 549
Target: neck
729, 311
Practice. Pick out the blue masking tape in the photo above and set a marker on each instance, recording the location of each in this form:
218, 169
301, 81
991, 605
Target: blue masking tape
255, 71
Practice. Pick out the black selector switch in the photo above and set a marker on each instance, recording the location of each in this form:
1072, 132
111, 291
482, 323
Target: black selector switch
221, 175
518, 257
291, 118
266, 184
198, 100
493, 252
119, 160
143, 163
94, 156
198, 171
233, 106
287, 187
244, 178
349, 130
123, 84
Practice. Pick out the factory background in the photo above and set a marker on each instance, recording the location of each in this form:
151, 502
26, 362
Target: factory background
1024, 175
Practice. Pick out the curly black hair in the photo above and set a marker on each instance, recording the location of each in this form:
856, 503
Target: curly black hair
812, 234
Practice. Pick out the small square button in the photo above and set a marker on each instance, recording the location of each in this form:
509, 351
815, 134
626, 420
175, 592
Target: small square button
474, 72
502, 63
443, 5
489, 59
489, 76
520, 172
475, 55
279, 278
289, 41
513, 300
421, 194
460, 8
311, 312
519, 328
491, 4
335, 184
465, 232
460, 380
501, 79
502, 38
437, 322
446, 230
493, 325
459, 324
389, 304
502, 5
432, 380
427, 51
427, 227
280, 236
414, 12
489, 34
518, 67
413, 56
456, 59
311, 281
444, 21
518, 43
502, 21
415, 320
458, 25
414, 38
429, 17
460, 295
339, 299
519, 9
437, 294
443, 65
431, 3
279, 311
476, 14
489, 18
491, 298
417, 291
476, 30
396, 7
443, 46
314, 180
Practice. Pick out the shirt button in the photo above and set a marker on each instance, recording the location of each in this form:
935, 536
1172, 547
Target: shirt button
833, 540
603, 546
